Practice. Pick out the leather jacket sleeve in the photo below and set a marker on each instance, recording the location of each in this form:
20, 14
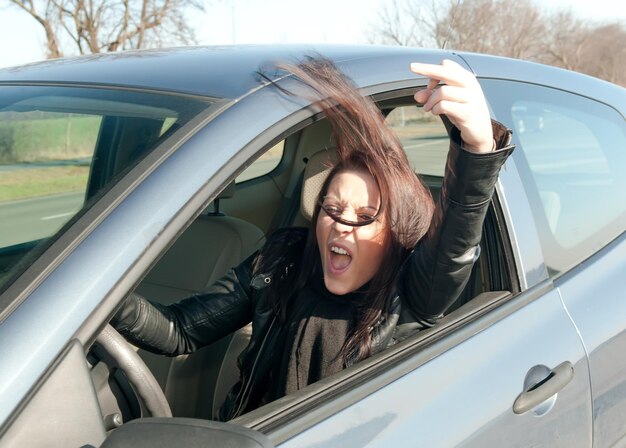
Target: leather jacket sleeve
191, 323
437, 270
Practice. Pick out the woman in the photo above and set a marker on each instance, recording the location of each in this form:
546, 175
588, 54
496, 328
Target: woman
378, 263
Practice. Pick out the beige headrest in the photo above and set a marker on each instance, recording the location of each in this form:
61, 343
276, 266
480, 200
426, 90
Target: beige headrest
315, 173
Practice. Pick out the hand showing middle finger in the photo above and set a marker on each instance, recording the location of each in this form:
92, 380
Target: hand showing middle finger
447, 93
460, 98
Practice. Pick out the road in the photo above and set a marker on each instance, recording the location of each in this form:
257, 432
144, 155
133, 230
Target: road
427, 155
36, 218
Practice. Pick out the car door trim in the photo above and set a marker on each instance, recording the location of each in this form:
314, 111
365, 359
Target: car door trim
292, 415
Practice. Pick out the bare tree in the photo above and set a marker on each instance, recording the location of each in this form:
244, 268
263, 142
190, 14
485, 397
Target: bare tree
503, 27
606, 53
596, 50
513, 28
407, 23
566, 40
95, 26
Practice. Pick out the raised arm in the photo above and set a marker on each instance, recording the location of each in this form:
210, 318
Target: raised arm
439, 267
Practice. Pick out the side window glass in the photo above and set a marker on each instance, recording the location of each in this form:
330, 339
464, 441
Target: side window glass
265, 164
423, 137
61, 146
573, 154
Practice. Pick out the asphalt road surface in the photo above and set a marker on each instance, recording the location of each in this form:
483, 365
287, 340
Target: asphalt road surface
427, 155
36, 218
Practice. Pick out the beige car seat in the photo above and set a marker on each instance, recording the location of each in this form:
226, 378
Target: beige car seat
211, 245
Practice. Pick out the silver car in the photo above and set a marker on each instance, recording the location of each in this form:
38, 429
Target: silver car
156, 171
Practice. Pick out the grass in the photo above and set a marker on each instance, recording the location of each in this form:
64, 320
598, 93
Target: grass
38, 136
36, 182
34, 136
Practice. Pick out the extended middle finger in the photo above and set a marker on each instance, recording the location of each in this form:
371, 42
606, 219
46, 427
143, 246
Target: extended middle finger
447, 93
451, 73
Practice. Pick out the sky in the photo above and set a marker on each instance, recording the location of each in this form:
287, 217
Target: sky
267, 21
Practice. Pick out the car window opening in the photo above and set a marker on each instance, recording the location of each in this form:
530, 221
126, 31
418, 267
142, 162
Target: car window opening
203, 253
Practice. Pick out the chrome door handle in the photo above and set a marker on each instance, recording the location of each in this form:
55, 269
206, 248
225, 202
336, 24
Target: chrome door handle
537, 393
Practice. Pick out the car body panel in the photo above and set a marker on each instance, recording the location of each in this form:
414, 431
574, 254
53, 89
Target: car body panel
457, 391
464, 396
74, 420
602, 325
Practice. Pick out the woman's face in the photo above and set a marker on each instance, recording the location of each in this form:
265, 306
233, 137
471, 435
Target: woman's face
350, 255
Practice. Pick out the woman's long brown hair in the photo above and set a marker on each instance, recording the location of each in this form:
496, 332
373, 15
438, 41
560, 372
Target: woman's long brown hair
364, 142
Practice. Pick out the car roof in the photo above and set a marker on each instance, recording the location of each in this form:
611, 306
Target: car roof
233, 71
214, 71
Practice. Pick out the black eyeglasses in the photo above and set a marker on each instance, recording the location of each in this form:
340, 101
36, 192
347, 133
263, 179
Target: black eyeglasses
335, 213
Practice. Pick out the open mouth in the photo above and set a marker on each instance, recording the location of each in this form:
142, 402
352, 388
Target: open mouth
340, 259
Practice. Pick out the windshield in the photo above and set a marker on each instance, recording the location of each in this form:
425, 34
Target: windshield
60, 146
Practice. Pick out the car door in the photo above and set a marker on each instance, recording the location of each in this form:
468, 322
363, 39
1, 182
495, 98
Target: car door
573, 154
461, 390
503, 370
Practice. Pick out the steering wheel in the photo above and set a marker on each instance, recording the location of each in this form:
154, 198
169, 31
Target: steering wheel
139, 376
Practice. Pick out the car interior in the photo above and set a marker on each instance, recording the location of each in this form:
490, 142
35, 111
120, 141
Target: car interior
235, 225
275, 191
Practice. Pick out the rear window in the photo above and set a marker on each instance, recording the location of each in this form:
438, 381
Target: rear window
571, 156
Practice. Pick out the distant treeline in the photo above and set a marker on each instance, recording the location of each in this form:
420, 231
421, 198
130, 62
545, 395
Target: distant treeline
513, 28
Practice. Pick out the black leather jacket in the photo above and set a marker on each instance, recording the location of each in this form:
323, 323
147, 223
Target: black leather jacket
433, 276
